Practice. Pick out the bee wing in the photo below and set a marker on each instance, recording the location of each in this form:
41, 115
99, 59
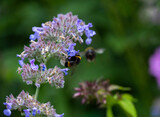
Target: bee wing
62, 61
100, 51
82, 53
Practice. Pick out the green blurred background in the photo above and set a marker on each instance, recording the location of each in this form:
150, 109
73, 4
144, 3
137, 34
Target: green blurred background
128, 30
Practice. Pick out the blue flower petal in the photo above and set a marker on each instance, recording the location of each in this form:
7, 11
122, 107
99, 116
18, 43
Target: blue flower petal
88, 41
7, 112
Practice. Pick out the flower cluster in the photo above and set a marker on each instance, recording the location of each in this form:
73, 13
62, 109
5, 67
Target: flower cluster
89, 33
56, 39
53, 76
29, 106
154, 65
96, 90
93, 90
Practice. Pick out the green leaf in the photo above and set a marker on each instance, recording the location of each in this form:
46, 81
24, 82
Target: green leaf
129, 97
117, 87
127, 105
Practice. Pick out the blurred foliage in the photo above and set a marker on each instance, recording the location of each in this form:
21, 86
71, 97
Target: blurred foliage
128, 39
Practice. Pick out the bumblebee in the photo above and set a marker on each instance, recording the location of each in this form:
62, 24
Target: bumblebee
73, 60
90, 53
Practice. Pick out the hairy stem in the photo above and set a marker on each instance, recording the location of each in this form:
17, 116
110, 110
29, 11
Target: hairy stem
36, 93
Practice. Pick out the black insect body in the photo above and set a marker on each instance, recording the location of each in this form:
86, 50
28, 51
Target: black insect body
73, 60
90, 54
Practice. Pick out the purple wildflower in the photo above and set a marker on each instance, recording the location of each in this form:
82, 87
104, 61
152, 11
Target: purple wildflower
34, 111
32, 37
24, 100
36, 35
154, 65
70, 50
88, 41
90, 25
90, 90
7, 112
81, 27
29, 82
37, 85
65, 71
90, 33
22, 55
43, 67
32, 61
33, 66
9, 105
56, 38
98, 90
21, 63
38, 112
71, 46
27, 112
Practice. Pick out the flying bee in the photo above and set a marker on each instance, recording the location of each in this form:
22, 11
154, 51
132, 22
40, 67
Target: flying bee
71, 61
90, 53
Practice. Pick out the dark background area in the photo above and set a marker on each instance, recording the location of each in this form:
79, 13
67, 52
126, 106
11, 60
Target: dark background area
128, 30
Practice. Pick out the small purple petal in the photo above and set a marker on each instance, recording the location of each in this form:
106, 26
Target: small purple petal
7, 112
34, 111
9, 105
90, 33
79, 21
37, 85
32, 61
43, 66
38, 112
70, 50
80, 28
37, 29
18, 55
27, 112
32, 37
154, 65
34, 67
90, 25
71, 46
65, 71
72, 53
58, 115
21, 63
29, 82
88, 41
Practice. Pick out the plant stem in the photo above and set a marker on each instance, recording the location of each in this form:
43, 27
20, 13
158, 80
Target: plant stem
109, 112
37, 89
36, 93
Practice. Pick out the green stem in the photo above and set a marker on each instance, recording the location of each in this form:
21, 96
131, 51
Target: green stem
37, 89
36, 93
109, 112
